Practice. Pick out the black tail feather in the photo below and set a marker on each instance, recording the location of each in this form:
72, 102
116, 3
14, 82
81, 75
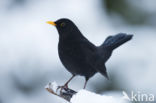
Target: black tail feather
115, 41
109, 44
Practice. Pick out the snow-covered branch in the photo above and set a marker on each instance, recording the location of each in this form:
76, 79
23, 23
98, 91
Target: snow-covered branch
82, 96
65, 93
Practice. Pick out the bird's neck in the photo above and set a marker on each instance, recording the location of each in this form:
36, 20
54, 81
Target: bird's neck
72, 35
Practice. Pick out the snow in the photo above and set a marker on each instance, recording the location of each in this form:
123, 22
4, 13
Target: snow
84, 96
52, 86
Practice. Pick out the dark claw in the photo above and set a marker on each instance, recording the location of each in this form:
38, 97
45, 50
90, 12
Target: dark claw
62, 87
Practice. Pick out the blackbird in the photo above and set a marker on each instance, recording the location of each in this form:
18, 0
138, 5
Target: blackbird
79, 55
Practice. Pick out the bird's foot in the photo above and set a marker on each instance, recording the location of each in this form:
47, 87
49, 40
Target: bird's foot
62, 87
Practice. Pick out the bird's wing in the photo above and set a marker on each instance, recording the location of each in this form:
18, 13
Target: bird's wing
102, 69
88, 49
93, 58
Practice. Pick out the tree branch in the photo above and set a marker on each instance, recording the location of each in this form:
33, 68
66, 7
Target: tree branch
84, 96
65, 93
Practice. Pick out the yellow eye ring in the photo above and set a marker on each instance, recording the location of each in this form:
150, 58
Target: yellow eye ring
62, 24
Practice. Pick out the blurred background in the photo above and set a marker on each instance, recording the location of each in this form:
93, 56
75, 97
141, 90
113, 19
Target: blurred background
28, 47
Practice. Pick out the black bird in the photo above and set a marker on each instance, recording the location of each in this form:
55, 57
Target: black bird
79, 55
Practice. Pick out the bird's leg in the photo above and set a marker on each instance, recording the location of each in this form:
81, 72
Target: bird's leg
85, 83
66, 84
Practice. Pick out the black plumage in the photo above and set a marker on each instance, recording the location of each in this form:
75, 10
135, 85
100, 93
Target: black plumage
79, 55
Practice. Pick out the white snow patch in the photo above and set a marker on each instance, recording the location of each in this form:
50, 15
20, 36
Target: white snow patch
84, 96
52, 85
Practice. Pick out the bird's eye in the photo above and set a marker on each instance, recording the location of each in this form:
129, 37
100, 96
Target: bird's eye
62, 24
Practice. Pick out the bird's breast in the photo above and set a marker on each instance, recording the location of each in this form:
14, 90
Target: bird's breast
69, 50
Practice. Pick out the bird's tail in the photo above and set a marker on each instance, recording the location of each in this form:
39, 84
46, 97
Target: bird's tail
108, 46
115, 41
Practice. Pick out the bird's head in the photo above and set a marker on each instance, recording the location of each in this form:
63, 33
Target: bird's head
64, 26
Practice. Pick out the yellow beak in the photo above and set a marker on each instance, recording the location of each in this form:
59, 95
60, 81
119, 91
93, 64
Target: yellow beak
51, 23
